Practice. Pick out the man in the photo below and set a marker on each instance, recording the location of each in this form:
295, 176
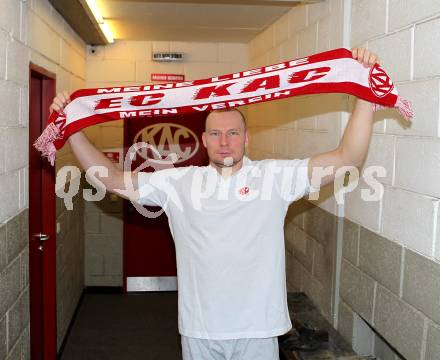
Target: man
227, 223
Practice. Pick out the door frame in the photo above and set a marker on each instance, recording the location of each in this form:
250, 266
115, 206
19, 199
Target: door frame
42, 264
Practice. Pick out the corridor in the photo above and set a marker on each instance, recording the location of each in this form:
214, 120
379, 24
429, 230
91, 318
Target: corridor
364, 247
124, 326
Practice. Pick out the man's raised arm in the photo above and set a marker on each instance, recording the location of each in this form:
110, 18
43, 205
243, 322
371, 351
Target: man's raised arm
353, 147
88, 156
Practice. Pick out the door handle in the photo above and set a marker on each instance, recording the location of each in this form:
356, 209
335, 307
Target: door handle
42, 237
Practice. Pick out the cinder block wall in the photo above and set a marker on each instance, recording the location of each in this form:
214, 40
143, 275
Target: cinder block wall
298, 128
70, 263
391, 260
387, 246
103, 231
14, 287
54, 46
29, 31
130, 63
390, 267
14, 252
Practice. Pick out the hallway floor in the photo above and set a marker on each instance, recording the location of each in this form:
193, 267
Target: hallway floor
144, 326
118, 326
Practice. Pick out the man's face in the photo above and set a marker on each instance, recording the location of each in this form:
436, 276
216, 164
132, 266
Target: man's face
225, 137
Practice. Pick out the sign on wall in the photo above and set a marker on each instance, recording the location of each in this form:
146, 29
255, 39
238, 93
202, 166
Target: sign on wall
168, 77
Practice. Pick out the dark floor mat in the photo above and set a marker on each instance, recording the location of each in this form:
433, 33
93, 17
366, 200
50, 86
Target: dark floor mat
125, 326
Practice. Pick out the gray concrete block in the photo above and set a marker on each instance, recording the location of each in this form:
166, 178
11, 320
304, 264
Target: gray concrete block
91, 206
3, 349
433, 342
293, 275
321, 225
345, 322
399, 323
16, 239
408, 12
368, 20
25, 268
18, 317
26, 344
437, 238
59, 206
9, 286
25, 222
319, 268
421, 284
103, 280
111, 224
381, 259
113, 264
297, 210
70, 219
350, 241
357, 290
94, 264
15, 351
3, 247
363, 336
62, 220
10, 100
92, 223
70, 263
60, 265
60, 324
10, 18
323, 264
79, 214
64, 255
289, 228
316, 292
104, 244
289, 262
18, 56
3, 46
382, 350
291, 287
303, 248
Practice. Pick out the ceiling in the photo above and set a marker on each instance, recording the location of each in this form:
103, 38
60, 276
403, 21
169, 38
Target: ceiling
184, 20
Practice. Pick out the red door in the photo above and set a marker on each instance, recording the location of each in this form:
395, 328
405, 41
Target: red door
42, 254
149, 258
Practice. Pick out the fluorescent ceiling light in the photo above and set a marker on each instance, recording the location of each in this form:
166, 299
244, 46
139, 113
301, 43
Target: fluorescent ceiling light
95, 11
105, 28
107, 32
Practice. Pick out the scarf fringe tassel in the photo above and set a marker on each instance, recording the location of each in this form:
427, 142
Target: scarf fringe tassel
45, 142
404, 107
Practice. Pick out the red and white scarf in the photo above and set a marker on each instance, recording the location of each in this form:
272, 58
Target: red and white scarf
333, 71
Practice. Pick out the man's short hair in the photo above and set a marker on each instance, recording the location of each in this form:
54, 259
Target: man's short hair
227, 110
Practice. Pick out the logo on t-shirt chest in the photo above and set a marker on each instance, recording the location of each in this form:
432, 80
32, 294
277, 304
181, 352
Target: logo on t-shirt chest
244, 191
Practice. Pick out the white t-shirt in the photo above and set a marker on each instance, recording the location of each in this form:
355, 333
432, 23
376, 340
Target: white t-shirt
229, 239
